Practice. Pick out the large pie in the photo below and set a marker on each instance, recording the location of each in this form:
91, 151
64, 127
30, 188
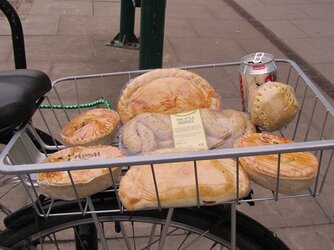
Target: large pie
176, 183
297, 169
150, 131
166, 91
93, 127
87, 182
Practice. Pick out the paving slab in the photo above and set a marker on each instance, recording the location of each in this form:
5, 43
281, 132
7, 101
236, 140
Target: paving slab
220, 28
189, 51
87, 25
316, 28
6, 49
35, 25
286, 213
286, 29
310, 237
50, 7
264, 12
181, 28
107, 8
326, 69
178, 10
314, 50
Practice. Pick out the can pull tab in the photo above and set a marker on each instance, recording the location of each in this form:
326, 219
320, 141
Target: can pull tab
258, 57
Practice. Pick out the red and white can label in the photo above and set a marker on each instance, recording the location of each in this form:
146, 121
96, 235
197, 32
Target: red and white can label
259, 67
255, 70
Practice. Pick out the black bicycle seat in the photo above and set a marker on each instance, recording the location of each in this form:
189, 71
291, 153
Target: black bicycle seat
20, 93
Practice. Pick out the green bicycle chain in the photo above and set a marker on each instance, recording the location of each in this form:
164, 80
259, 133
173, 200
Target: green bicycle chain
76, 106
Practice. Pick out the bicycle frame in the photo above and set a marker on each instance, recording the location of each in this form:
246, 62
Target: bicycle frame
17, 34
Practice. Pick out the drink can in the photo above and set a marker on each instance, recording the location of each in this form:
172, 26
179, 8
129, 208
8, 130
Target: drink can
255, 70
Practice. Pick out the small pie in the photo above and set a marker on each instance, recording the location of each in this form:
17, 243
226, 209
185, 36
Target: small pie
176, 183
166, 91
96, 126
87, 182
297, 169
273, 106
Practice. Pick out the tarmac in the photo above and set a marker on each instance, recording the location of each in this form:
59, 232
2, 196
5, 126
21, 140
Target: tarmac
70, 37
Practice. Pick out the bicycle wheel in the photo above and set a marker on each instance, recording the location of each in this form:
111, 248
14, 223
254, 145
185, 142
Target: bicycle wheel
189, 228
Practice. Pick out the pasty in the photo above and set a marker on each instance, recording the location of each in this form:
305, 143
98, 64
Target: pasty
176, 183
166, 91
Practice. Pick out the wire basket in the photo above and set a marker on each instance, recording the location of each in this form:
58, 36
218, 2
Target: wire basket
311, 130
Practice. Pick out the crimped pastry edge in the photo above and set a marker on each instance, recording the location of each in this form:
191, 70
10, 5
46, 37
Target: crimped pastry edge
287, 184
260, 117
128, 182
66, 191
124, 103
87, 186
131, 143
104, 139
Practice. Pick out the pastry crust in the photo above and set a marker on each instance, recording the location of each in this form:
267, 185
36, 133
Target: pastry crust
273, 106
235, 124
87, 182
166, 91
176, 183
151, 131
297, 170
96, 126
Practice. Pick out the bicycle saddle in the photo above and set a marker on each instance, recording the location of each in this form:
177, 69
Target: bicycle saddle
20, 93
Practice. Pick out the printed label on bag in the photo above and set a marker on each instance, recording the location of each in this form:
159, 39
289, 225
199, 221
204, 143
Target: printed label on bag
188, 130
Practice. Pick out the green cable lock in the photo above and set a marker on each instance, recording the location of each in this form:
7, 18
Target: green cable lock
76, 106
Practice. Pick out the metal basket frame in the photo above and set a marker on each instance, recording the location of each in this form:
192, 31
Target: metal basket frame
21, 157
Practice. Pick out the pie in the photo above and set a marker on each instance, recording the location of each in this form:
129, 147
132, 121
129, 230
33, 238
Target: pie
87, 181
273, 106
151, 131
297, 169
166, 91
96, 126
176, 183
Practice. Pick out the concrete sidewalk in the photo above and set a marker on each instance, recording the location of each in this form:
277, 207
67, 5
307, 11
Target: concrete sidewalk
69, 37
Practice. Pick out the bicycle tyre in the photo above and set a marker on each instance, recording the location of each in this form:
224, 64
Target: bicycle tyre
25, 228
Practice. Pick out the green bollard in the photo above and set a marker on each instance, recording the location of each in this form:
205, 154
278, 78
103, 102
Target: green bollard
152, 27
126, 37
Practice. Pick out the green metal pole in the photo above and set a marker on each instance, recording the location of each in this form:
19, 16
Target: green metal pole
126, 37
152, 27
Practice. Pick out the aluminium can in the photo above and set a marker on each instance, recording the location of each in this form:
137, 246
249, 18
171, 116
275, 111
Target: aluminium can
255, 70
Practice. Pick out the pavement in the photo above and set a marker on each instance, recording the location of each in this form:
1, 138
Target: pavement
69, 37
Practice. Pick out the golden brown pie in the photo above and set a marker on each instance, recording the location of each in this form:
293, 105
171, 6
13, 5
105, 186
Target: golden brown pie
176, 183
166, 91
273, 106
224, 127
297, 170
150, 131
96, 126
87, 182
